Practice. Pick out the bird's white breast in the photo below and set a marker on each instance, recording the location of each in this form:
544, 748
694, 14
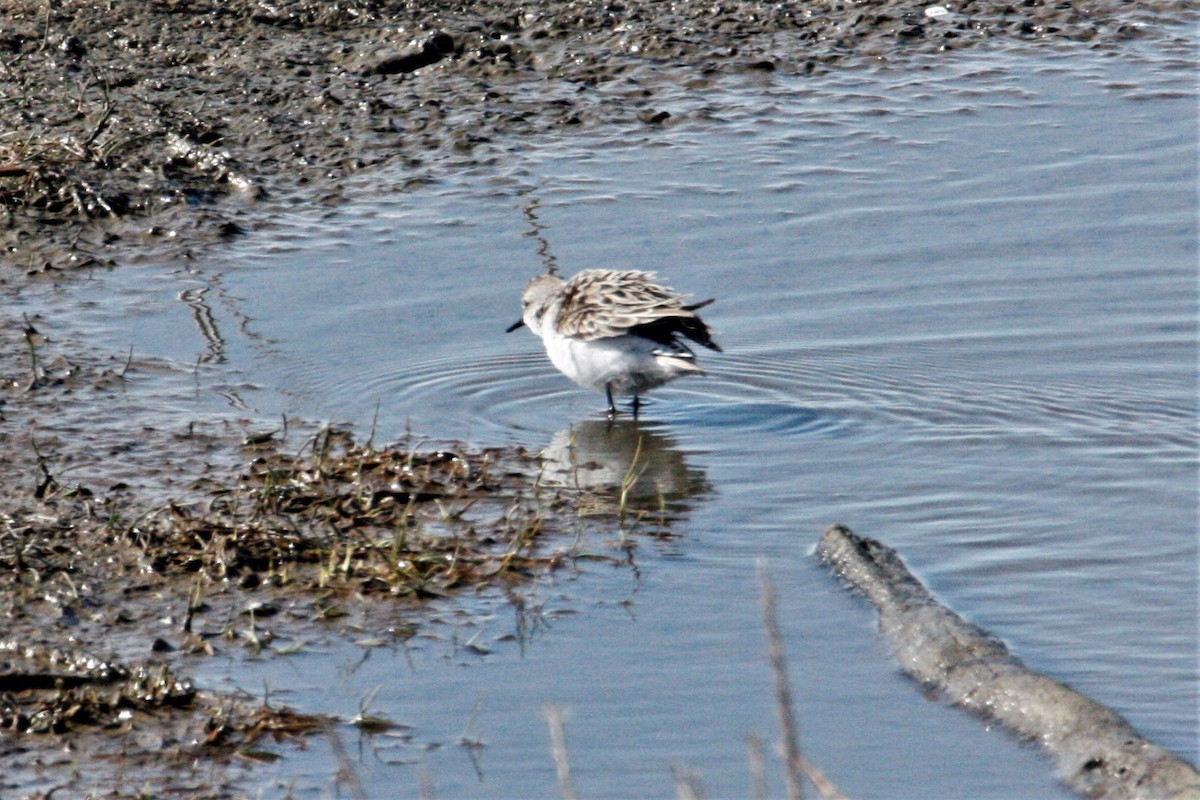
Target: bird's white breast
628, 364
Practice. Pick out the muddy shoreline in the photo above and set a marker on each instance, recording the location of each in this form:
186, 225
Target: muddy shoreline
157, 131
140, 130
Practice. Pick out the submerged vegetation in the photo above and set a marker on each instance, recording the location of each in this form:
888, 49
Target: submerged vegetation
344, 518
106, 602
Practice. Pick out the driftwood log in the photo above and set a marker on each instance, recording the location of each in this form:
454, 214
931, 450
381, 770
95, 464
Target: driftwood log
1098, 754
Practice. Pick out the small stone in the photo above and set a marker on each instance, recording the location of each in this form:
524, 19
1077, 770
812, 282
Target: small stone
651, 117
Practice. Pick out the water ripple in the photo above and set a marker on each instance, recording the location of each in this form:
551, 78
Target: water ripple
835, 392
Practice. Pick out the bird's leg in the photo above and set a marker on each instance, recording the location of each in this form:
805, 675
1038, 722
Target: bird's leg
612, 407
637, 403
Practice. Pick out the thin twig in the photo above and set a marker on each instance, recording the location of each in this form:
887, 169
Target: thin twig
466, 740
48, 481
797, 765
758, 766
783, 690
558, 749
347, 775
128, 361
428, 789
687, 784
104, 116
35, 369
46, 27
374, 427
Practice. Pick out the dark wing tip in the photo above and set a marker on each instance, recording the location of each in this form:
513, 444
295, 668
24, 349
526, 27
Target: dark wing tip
665, 330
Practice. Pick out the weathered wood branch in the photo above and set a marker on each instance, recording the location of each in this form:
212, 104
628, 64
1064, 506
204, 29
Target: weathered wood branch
1098, 754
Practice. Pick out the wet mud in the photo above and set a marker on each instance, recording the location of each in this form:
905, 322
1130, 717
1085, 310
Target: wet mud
133, 540
133, 130
106, 600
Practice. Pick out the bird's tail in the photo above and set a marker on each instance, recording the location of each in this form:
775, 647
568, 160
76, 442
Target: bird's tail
683, 363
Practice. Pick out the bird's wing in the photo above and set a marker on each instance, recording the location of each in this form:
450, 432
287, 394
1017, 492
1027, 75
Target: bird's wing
598, 303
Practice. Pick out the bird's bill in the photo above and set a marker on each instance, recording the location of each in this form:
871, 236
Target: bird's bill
514, 326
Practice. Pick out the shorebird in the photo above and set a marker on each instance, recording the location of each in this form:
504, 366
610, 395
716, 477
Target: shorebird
614, 330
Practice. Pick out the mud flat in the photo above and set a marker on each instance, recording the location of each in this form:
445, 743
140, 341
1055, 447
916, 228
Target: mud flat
135, 130
106, 599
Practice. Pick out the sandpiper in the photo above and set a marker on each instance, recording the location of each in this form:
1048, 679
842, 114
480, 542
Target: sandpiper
615, 330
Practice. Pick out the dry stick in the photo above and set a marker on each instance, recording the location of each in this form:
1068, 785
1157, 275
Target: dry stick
687, 784
1098, 753
46, 27
797, 765
48, 480
558, 749
128, 361
783, 690
35, 369
758, 766
346, 773
428, 790
104, 116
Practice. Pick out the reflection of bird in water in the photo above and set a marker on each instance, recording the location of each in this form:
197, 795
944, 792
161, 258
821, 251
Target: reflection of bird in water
617, 331
623, 457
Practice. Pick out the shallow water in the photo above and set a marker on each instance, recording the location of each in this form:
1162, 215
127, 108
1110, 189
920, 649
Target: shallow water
958, 308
